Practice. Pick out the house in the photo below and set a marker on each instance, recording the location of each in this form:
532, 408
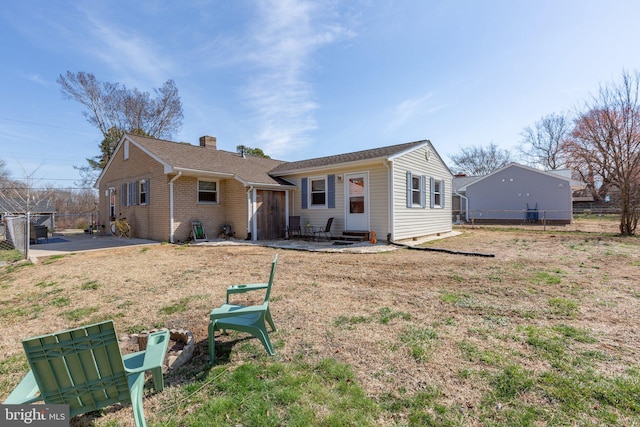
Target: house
516, 193
400, 192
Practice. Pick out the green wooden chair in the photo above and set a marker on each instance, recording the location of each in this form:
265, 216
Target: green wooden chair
251, 319
84, 369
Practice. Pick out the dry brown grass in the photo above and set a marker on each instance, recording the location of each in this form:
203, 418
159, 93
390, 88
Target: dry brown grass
331, 305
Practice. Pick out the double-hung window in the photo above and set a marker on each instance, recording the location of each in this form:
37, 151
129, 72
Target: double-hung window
318, 193
437, 193
143, 190
207, 191
416, 190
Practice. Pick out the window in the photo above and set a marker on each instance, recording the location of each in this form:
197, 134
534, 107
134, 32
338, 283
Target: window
207, 191
437, 193
112, 202
126, 150
416, 190
318, 193
437, 196
143, 190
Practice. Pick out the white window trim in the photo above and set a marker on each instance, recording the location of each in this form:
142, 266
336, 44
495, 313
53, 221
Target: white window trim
143, 182
310, 192
419, 190
217, 192
437, 184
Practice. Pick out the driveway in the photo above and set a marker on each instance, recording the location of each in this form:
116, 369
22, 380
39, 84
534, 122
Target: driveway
68, 242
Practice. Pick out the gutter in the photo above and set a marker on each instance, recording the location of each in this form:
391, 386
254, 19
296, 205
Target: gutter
171, 203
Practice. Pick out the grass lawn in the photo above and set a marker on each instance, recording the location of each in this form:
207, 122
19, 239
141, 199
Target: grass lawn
544, 333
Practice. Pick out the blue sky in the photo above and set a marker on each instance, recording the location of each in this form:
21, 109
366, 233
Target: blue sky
303, 79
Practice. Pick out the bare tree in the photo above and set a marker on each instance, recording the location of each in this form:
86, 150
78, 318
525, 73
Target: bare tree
4, 174
606, 144
541, 145
478, 160
114, 109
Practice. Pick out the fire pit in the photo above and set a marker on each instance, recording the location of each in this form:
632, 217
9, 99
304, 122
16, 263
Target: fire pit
179, 352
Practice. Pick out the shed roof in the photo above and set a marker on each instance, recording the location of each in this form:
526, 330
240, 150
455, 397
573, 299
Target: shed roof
18, 205
555, 174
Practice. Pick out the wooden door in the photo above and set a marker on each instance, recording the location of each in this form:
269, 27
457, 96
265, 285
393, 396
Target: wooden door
270, 214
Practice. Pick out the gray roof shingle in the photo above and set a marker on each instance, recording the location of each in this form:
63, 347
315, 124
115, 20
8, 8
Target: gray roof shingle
180, 155
374, 153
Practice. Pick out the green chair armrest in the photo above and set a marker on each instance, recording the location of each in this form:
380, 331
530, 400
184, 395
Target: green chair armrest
25, 392
150, 358
240, 289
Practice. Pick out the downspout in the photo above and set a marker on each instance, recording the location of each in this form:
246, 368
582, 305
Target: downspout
171, 233
389, 164
250, 235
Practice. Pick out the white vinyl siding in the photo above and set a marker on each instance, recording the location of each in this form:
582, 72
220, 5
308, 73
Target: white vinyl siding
378, 199
416, 222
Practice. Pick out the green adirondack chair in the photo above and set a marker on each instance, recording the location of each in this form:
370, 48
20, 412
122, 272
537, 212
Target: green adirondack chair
84, 369
251, 319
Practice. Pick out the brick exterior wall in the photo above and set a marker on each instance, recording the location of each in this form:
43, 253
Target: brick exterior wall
152, 221
147, 221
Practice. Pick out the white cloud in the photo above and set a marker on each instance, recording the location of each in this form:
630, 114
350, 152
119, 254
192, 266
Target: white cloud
125, 50
282, 42
409, 110
39, 80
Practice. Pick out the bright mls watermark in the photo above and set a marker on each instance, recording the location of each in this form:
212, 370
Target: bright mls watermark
34, 415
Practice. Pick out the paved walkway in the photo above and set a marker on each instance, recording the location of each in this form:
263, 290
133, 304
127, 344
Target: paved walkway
69, 242
324, 246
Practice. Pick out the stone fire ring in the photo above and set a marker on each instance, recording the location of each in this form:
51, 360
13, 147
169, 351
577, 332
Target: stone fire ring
174, 358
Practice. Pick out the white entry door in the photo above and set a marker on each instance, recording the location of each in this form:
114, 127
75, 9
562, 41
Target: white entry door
357, 202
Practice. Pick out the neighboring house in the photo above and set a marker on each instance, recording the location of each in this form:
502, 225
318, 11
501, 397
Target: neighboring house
402, 191
41, 211
516, 193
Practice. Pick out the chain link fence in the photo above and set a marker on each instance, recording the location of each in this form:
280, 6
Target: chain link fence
13, 233
16, 232
598, 220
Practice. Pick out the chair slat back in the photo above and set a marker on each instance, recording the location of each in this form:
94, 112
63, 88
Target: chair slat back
271, 277
328, 226
294, 222
80, 367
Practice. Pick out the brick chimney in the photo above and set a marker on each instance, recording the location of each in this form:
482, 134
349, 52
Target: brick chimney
208, 141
